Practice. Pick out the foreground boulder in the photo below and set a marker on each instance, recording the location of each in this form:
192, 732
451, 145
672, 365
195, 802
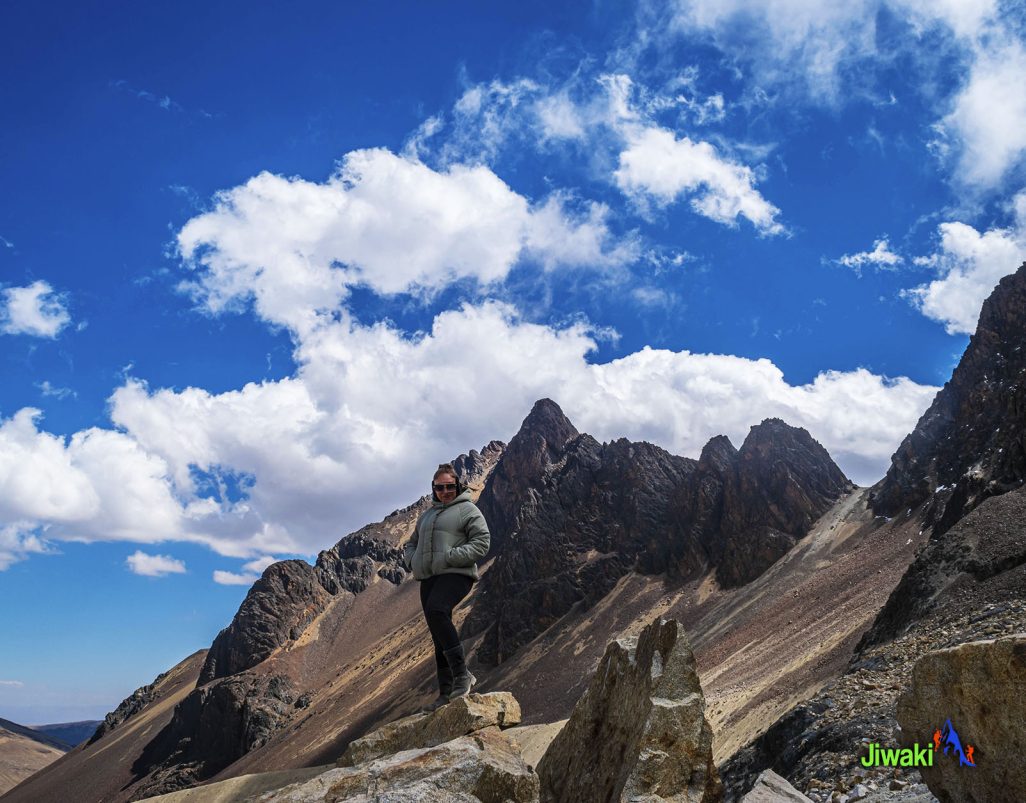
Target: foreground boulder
771, 788
639, 731
974, 698
484, 766
460, 717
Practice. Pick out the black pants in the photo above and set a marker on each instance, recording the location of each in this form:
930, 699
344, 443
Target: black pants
439, 594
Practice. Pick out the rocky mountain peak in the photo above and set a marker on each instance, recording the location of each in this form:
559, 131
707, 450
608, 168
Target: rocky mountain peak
538, 445
971, 443
718, 456
545, 423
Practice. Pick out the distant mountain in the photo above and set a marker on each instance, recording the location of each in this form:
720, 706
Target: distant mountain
592, 513
24, 751
70, 733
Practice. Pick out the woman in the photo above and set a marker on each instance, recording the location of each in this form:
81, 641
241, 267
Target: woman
448, 540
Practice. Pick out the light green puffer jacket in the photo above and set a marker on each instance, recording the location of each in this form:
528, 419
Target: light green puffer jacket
448, 539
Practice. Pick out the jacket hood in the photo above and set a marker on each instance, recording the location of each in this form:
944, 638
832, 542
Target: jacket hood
463, 497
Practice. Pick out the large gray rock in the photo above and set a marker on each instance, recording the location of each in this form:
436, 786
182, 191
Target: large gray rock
980, 688
458, 718
639, 731
771, 788
483, 767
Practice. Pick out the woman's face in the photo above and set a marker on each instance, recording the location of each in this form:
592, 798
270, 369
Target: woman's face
445, 487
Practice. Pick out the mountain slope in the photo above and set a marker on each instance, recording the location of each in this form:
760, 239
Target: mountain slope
24, 751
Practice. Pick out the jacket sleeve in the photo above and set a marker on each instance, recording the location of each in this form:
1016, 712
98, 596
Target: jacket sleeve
411, 546
478, 539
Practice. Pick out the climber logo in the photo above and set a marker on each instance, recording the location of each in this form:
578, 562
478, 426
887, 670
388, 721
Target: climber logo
951, 741
921, 755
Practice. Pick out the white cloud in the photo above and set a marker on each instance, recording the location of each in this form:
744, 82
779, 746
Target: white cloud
820, 48
658, 165
15, 683
787, 40
49, 389
252, 571
153, 565
989, 116
880, 257
969, 264
224, 578
392, 223
17, 541
33, 310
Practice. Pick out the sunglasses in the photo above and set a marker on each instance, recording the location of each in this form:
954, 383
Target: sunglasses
447, 486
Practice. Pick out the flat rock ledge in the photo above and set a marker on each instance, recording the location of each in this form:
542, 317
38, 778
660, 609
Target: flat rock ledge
484, 767
974, 695
639, 732
460, 717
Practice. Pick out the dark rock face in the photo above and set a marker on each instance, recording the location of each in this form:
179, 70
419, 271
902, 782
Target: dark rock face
585, 528
970, 566
130, 706
537, 446
971, 443
279, 605
212, 727
774, 489
349, 565
598, 511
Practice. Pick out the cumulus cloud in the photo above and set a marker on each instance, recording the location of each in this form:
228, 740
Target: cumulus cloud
613, 117
968, 265
33, 310
881, 257
989, 115
251, 573
17, 541
658, 165
388, 222
153, 565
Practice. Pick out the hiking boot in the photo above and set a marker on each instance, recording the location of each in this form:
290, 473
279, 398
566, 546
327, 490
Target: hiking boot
444, 685
462, 679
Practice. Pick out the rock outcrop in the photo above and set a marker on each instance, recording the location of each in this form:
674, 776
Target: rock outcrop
277, 608
594, 512
771, 788
212, 727
971, 443
974, 698
639, 731
133, 704
459, 718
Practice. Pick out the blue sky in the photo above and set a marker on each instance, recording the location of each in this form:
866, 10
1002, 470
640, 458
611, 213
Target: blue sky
262, 266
